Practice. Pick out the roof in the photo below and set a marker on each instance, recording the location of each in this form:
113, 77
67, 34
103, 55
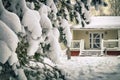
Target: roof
103, 22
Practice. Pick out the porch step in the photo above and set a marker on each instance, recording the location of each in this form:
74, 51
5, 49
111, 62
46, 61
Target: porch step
90, 53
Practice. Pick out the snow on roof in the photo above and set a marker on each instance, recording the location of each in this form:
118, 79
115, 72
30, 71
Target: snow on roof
104, 22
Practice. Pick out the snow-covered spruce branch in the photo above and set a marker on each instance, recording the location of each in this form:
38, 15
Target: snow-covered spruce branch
40, 26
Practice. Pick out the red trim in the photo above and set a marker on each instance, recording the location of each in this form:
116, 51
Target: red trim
75, 53
116, 53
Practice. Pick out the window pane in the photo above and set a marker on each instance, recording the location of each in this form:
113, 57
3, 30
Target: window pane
94, 35
90, 40
96, 45
97, 41
76, 45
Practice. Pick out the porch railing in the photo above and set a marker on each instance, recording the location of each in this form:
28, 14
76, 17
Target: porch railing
111, 44
77, 45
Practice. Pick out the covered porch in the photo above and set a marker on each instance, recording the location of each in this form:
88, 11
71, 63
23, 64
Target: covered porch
97, 38
108, 47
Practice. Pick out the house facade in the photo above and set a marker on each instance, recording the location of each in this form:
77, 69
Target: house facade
100, 37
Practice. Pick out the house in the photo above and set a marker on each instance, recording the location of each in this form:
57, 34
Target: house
100, 37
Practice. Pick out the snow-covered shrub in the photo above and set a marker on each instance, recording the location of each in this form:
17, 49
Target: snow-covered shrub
36, 24
98, 3
8, 42
30, 5
39, 67
5, 52
10, 19
56, 33
45, 22
7, 35
66, 35
30, 21
55, 50
53, 7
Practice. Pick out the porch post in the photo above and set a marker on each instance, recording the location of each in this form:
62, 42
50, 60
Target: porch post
119, 38
102, 46
81, 46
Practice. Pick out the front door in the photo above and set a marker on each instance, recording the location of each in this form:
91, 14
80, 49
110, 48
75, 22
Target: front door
95, 40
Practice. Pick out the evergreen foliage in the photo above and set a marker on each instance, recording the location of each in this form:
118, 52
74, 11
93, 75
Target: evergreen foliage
36, 72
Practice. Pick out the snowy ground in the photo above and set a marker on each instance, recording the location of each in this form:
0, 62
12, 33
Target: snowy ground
91, 68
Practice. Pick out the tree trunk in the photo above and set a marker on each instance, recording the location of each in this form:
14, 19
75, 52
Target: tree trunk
68, 53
